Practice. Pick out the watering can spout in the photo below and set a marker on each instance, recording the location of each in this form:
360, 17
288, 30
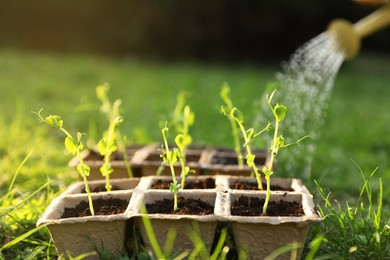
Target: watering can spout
348, 35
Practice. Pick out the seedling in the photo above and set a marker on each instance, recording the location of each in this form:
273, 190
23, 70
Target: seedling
237, 117
224, 94
279, 113
183, 118
183, 140
108, 144
170, 157
74, 147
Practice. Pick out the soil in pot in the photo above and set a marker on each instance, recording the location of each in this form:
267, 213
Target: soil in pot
208, 183
101, 188
242, 185
186, 207
156, 157
107, 206
228, 160
250, 206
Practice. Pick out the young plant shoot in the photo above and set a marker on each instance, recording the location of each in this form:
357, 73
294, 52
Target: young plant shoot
224, 94
108, 144
279, 113
74, 147
111, 111
170, 158
249, 134
183, 118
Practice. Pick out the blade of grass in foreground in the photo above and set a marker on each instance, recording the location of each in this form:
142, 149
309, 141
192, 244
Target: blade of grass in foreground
18, 170
10, 209
293, 248
21, 238
151, 236
219, 249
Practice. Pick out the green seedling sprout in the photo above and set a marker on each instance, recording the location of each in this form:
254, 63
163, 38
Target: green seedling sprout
170, 157
248, 135
112, 113
183, 140
108, 144
279, 113
74, 147
224, 94
183, 118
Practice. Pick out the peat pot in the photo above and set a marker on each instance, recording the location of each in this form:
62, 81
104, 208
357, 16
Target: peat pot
94, 160
152, 163
259, 235
224, 161
96, 186
183, 225
90, 234
250, 183
191, 182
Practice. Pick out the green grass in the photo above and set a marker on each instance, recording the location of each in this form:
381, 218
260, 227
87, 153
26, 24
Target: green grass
356, 127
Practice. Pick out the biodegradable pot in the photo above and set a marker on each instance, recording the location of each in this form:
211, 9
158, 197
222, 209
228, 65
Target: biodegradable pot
94, 160
152, 163
223, 161
262, 235
118, 185
148, 182
182, 224
79, 235
249, 183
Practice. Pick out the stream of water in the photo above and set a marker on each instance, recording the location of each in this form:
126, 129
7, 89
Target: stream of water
306, 82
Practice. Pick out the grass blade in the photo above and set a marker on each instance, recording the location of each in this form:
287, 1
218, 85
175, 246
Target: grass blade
219, 247
21, 238
18, 170
150, 233
26, 199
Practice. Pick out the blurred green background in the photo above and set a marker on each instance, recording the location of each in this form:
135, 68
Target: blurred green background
54, 53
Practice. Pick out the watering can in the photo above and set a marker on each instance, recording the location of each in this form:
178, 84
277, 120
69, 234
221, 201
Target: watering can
348, 35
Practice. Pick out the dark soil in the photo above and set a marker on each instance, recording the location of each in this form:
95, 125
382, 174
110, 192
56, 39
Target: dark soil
101, 188
107, 206
156, 157
208, 183
232, 160
248, 206
241, 185
186, 207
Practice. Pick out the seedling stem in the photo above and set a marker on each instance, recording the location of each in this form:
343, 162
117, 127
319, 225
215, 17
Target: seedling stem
73, 148
170, 157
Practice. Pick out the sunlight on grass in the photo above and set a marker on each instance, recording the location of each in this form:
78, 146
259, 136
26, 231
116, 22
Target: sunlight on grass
356, 128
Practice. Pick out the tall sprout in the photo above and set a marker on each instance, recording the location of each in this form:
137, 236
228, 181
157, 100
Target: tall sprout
74, 147
170, 158
112, 113
183, 119
279, 113
107, 145
225, 95
249, 134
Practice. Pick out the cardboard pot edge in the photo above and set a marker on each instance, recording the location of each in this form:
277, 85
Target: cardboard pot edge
311, 215
155, 195
52, 214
